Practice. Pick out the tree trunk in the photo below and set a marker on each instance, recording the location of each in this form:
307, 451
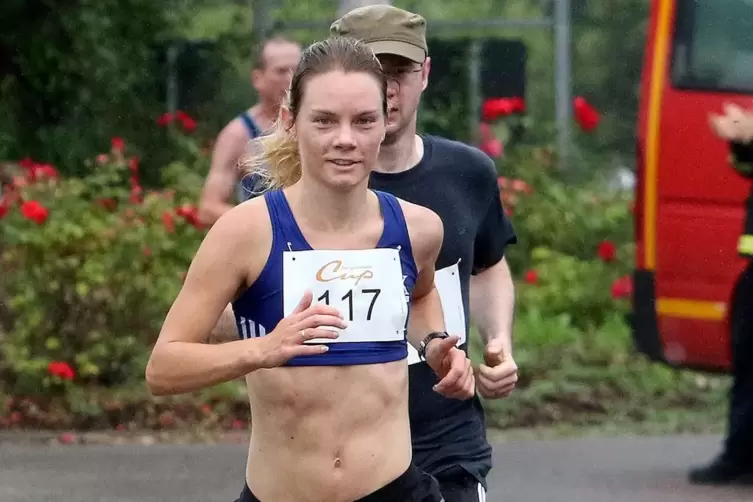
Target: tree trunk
348, 5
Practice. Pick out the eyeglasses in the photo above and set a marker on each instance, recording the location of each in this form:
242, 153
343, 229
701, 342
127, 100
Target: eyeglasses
400, 73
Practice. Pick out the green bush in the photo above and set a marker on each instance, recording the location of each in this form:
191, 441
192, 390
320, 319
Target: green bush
91, 265
575, 247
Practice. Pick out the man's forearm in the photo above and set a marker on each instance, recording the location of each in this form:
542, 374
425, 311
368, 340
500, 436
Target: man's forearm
492, 304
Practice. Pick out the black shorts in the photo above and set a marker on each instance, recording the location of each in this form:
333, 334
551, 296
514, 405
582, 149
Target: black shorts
461, 487
413, 485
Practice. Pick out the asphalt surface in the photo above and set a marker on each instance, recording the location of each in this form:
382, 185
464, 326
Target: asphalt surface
572, 470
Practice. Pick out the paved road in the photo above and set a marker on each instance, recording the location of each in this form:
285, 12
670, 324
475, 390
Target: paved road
574, 470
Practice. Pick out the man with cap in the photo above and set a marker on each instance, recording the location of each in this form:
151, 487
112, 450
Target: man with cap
459, 183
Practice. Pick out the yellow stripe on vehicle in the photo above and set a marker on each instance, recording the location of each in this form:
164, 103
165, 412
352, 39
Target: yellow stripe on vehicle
651, 174
691, 309
745, 245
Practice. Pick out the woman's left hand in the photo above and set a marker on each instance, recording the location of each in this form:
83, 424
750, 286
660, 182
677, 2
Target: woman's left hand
453, 367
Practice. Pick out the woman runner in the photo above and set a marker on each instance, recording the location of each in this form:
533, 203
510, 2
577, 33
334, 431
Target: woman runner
322, 273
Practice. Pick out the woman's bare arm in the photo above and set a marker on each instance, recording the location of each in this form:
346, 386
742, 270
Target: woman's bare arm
182, 361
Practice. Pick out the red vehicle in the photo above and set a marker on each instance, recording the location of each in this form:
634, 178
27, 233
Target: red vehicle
689, 202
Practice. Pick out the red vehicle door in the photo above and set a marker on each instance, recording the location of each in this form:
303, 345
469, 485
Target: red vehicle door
689, 201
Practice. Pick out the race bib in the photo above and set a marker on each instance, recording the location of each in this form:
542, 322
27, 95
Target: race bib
447, 281
365, 285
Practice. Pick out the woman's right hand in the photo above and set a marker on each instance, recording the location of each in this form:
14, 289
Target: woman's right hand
286, 341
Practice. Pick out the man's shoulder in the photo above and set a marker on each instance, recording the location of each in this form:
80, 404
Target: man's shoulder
234, 130
458, 154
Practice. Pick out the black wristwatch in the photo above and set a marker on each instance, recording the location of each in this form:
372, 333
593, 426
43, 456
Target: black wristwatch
425, 342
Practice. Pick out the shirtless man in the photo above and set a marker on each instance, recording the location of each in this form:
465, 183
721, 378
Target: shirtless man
270, 77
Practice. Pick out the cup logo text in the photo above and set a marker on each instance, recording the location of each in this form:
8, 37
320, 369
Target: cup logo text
335, 270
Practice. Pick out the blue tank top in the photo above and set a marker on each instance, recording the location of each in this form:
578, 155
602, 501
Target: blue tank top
259, 309
247, 188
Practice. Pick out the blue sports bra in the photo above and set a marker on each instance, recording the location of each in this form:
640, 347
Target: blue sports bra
247, 187
260, 307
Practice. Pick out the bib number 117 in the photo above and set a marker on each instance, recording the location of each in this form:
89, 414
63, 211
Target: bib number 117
348, 297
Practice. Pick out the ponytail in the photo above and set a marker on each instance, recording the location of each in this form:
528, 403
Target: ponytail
278, 163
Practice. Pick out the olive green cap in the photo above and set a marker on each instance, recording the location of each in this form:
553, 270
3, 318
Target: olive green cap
386, 29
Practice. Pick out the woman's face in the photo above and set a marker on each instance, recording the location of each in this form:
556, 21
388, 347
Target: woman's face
339, 127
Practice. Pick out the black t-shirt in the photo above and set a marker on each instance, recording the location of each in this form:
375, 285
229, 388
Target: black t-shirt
459, 183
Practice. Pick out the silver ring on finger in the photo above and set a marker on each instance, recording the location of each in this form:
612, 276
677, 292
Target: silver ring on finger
303, 333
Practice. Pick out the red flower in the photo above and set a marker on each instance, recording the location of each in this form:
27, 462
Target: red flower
43, 171
493, 148
494, 108
622, 287
61, 370
485, 132
136, 194
168, 222
509, 198
133, 165
4, 208
585, 114
189, 213
607, 251
521, 186
19, 181
107, 203
532, 277
118, 145
102, 158
34, 211
188, 123
165, 119
27, 163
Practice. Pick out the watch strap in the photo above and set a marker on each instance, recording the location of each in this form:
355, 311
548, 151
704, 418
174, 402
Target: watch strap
425, 342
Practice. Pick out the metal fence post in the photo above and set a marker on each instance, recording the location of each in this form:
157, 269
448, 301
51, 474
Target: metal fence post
261, 23
474, 87
563, 78
172, 77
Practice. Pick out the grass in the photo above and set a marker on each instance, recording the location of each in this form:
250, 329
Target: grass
595, 381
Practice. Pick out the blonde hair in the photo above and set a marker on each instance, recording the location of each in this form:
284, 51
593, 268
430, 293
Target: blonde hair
278, 162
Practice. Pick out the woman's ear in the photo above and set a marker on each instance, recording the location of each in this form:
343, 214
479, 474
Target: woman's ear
287, 120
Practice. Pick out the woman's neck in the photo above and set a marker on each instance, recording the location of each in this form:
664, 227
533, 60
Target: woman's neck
327, 209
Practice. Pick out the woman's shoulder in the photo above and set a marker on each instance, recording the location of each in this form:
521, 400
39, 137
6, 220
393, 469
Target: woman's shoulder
425, 227
245, 223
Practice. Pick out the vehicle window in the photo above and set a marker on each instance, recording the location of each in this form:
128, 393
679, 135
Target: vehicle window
713, 46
